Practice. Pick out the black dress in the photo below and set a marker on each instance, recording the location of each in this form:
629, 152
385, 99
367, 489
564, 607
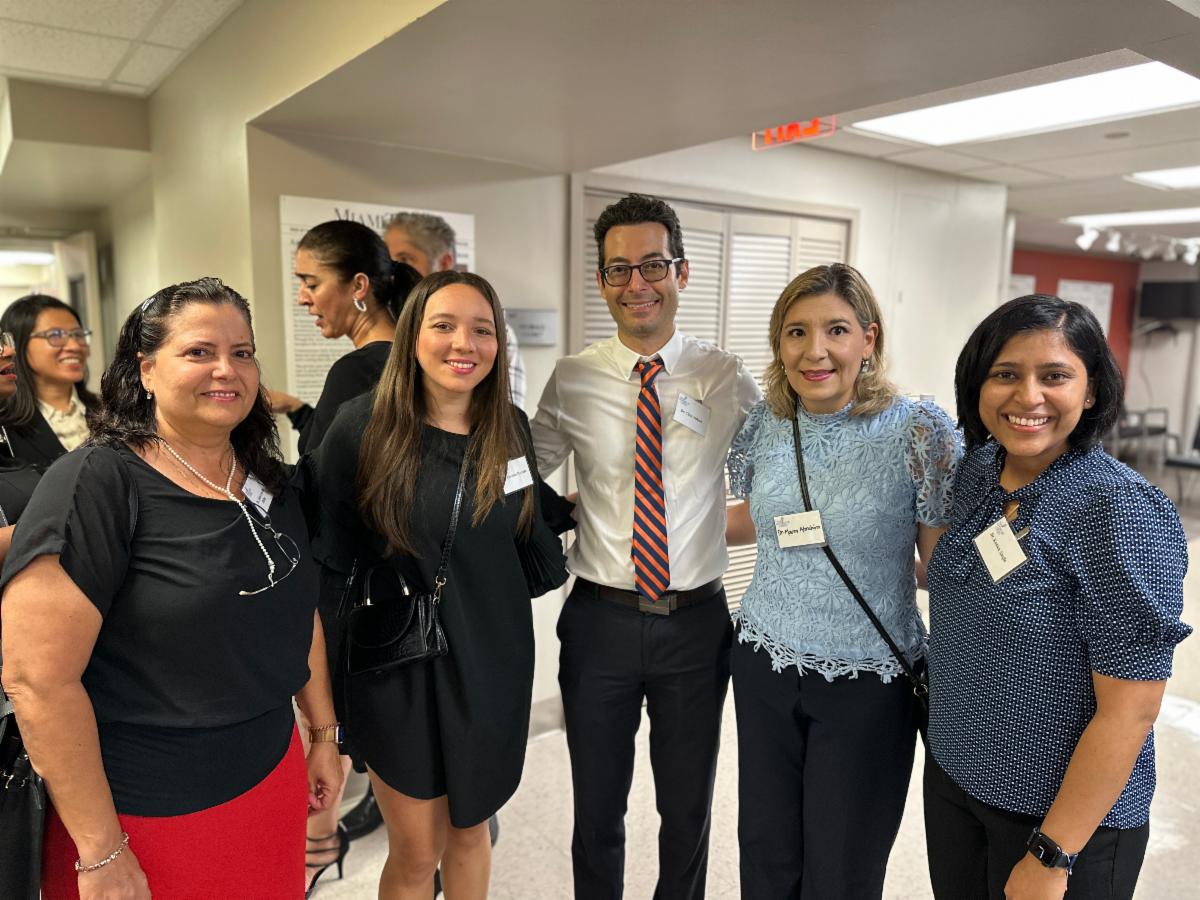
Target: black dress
353, 374
456, 725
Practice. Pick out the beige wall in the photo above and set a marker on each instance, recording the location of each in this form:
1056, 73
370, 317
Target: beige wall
130, 229
263, 53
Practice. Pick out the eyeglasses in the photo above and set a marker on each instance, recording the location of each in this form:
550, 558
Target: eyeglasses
57, 337
292, 557
651, 270
7, 341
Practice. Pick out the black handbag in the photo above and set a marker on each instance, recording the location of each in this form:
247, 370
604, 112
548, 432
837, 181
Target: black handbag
22, 813
390, 625
916, 672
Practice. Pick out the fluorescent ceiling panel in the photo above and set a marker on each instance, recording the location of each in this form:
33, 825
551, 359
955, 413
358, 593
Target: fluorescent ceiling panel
1142, 217
1106, 96
1172, 179
25, 258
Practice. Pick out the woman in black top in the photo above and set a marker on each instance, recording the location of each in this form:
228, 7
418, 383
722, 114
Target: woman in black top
17, 478
51, 358
443, 740
351, 288
158, 619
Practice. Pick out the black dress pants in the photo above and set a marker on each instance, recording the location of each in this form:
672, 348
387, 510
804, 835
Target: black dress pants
823, 770
612, 657
973, 847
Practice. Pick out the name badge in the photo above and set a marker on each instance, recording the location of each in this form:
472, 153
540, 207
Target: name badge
257, 493
800, 530
1000, 549
518, 475
692, 414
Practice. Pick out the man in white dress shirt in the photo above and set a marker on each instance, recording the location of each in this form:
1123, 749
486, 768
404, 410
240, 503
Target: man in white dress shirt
649, 415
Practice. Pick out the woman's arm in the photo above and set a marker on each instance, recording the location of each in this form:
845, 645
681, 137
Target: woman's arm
1099, 770
6, 534
315, 700
927, 538
739, 527
49, 631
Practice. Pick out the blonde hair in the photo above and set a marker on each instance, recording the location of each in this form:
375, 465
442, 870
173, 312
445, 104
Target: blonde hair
873, 392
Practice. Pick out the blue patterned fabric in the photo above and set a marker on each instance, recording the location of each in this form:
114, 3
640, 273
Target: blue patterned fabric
1011, 664
874, 478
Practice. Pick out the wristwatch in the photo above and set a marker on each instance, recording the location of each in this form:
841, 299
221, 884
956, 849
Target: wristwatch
1048, 853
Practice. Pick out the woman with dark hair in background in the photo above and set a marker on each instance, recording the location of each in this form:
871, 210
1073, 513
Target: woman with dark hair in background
444, 739
158, 620
351, 288
47, 415
17, 478
1055, 598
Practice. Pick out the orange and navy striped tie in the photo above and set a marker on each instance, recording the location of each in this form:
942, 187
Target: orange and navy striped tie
651, 565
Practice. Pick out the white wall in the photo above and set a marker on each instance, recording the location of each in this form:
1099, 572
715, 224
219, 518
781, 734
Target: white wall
931, 245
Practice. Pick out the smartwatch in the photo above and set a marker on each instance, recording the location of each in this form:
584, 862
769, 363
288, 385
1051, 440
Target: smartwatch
1048, 853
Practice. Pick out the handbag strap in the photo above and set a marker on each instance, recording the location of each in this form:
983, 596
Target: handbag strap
439, 580
918, 684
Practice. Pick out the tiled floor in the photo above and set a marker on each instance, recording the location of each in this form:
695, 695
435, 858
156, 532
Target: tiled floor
532, 858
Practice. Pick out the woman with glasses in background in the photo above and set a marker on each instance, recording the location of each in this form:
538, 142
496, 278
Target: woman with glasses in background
46, 416
158, 618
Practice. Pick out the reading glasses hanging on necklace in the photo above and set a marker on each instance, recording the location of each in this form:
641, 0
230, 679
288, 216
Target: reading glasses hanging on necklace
279, 536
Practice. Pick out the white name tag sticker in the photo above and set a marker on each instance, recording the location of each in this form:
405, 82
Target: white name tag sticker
518, 475
692, 414
800, 530
257, 493
1000, 550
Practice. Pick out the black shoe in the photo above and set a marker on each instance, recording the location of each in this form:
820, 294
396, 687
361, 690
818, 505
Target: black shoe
363, 819
342, 848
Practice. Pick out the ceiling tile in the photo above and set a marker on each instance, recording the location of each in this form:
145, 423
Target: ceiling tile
187, 21
1070, 198
1125, 162
845, 141
148, 65
52, 52
935, 158
1011, 175
115, 18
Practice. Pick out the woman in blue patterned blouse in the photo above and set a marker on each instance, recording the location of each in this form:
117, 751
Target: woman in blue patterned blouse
1055, 599
826, 725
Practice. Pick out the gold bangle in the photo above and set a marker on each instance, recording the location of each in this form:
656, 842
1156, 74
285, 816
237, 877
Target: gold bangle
325, 734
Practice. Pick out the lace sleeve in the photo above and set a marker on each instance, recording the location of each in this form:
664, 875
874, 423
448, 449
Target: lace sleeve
741, 463
935, 449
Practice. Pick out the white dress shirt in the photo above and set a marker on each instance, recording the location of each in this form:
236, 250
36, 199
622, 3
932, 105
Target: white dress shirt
70, 427
588, 408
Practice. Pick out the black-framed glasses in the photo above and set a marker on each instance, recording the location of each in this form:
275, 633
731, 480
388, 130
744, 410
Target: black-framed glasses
58, 337
618, 275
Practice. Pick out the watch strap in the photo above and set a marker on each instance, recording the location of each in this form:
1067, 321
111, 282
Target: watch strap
1046, 851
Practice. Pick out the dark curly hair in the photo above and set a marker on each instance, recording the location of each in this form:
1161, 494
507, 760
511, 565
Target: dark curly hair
126, 415
634, 209
20, 319
1041, 312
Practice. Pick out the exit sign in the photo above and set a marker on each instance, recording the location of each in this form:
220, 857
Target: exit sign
793, 132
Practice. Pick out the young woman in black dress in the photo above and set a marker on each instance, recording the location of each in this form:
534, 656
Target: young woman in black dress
443, 740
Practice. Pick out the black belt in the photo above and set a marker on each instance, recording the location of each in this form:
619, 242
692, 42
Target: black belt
664, 606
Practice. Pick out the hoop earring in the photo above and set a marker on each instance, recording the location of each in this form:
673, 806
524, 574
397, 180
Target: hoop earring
360, 304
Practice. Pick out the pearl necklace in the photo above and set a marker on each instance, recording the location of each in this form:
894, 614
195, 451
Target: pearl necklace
228, 492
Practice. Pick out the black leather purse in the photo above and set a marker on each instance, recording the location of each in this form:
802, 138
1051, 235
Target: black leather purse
22, 813
915, 672
388, 624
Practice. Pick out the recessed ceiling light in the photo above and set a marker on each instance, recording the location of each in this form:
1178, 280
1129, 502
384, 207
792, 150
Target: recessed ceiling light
25, 258
1102, 97
1142, 217
1172, 179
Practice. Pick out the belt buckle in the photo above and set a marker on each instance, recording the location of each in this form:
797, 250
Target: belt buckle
663, 607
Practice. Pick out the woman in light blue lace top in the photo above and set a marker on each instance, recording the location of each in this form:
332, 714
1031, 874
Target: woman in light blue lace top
826, 729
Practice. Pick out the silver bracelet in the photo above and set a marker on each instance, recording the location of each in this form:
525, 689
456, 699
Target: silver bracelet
80, 867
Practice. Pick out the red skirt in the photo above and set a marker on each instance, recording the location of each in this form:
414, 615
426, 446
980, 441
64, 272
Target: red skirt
250, 846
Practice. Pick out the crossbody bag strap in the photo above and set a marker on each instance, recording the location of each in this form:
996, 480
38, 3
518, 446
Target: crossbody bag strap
439, 580
918, 685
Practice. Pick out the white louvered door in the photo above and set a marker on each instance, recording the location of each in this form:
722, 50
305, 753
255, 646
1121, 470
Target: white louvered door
739, 264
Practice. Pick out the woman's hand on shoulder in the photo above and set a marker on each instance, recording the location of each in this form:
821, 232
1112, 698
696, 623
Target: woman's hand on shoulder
121, 879
325, 775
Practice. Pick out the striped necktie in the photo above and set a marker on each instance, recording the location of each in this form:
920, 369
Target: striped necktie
651, 565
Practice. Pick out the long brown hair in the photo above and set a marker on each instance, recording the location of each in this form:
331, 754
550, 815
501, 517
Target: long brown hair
873, 392
389, 460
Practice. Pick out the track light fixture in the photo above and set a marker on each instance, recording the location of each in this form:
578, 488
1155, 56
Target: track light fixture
1171, 253
1087, 238
1113, 244
1192, 253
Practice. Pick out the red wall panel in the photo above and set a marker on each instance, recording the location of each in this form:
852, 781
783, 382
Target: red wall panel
1122, 274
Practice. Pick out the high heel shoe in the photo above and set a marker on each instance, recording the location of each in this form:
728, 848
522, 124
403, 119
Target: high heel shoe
342, 848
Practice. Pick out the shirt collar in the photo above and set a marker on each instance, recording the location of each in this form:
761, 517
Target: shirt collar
1038, 485
669, 353
75, 407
